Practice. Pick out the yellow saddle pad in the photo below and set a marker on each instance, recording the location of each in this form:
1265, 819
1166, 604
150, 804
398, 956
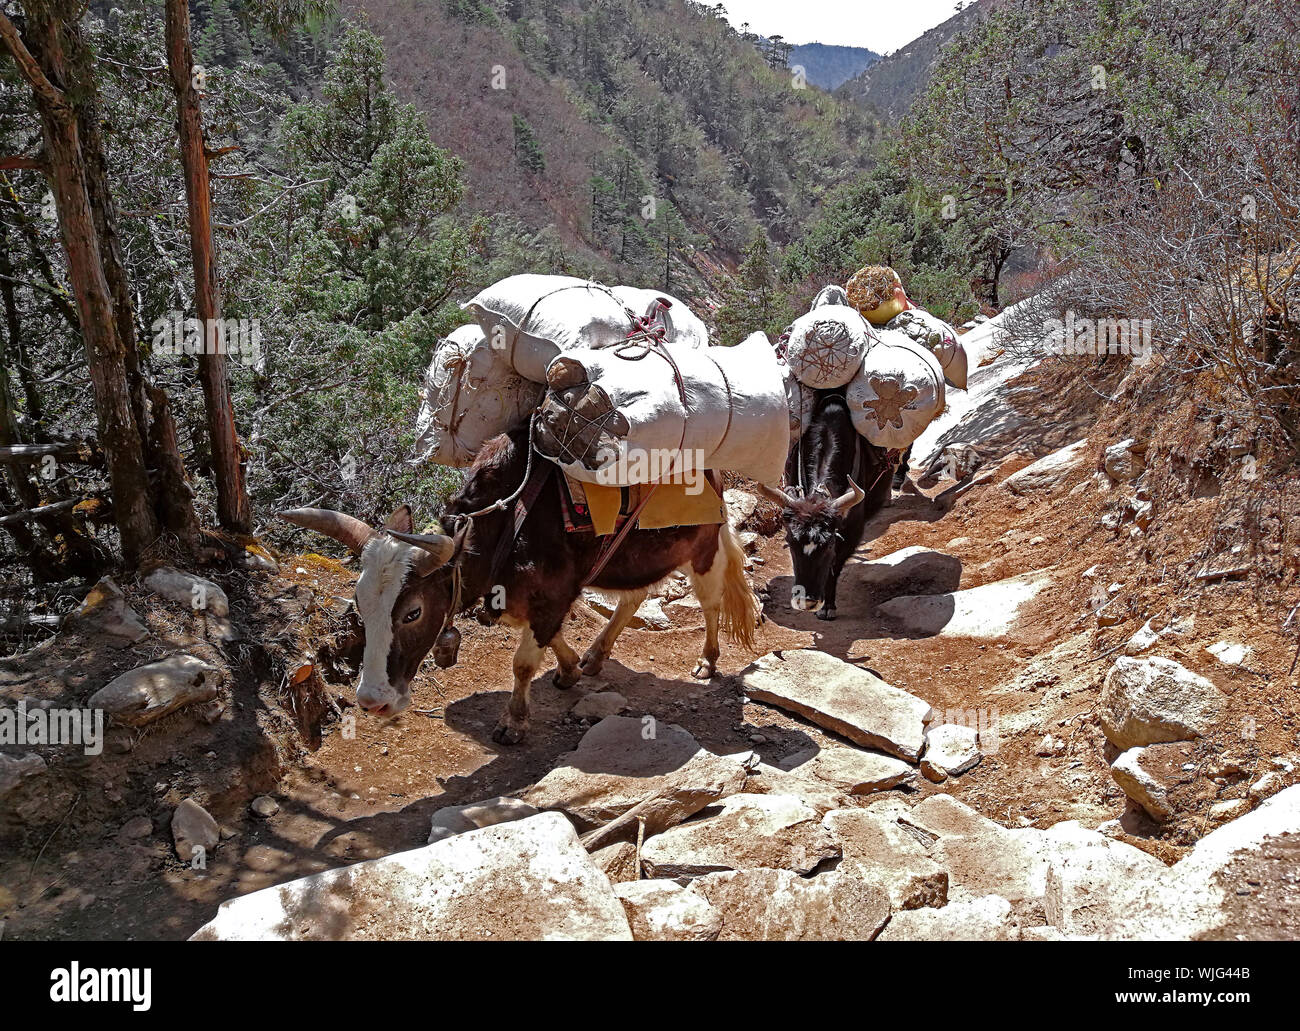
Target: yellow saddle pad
669, 505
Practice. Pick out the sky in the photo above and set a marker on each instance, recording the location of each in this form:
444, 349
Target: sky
881, 25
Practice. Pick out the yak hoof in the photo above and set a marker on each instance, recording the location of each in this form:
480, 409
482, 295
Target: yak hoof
508, 732
825, 613
592, 664
566, 679
703, 670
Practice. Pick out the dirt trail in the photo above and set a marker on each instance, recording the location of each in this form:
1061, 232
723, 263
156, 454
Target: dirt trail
371, 793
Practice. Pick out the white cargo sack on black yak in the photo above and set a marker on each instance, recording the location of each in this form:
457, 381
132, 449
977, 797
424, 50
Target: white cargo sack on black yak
682, 327
532, 318
826, 346
800, 400
940, 338
469, 395
645, 413
897, 392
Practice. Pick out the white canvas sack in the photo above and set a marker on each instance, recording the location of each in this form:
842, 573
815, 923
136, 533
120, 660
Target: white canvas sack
470, 394
533, 318
619, 415
897, 392
932, 332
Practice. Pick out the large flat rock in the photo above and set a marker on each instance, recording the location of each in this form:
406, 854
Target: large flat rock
983, 612
850, 770
746, 831
778, 905
912, 564
984, 858
530, 879
840, 697
877, 845
1049, 470
1145, 701
623, 762
983, 919
1240, 881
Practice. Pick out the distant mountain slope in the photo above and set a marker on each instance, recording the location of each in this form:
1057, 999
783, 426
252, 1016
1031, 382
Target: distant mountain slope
829, 65
890, 84
621, 107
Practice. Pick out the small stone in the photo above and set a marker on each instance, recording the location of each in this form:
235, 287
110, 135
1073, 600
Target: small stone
150, 692
1122, 463
598, 705
662, 910
950, 750
265, 806
193, 828
1230, 653
193, 592
1149, 775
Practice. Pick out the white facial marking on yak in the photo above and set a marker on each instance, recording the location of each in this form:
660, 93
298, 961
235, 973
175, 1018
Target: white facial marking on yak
385, 565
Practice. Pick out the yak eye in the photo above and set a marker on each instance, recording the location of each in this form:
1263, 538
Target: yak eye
412, 616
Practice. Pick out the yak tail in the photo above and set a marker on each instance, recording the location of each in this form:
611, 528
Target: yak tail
740, 608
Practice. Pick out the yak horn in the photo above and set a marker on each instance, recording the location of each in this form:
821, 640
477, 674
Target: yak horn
345, 529
776, 495
437, 549
849, 498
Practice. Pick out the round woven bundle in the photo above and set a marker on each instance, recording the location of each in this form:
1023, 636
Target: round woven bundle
939, 338
871, 291
826, 346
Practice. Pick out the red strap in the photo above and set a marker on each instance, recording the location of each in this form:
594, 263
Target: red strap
609, 547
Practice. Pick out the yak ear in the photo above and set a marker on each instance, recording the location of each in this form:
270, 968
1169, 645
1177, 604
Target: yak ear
401, 520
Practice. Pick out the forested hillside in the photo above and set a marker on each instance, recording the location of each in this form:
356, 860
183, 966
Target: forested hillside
618, 105
889, 85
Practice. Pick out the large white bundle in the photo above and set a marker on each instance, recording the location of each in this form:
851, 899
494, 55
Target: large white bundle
826, 346
532, 318
618, 415
940, 338
469, 395
897, 392
683, 327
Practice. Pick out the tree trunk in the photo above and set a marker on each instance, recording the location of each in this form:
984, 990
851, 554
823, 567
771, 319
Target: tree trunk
233, 511
118, 431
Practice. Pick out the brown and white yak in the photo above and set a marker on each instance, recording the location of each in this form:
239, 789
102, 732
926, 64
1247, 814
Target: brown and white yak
407, 582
